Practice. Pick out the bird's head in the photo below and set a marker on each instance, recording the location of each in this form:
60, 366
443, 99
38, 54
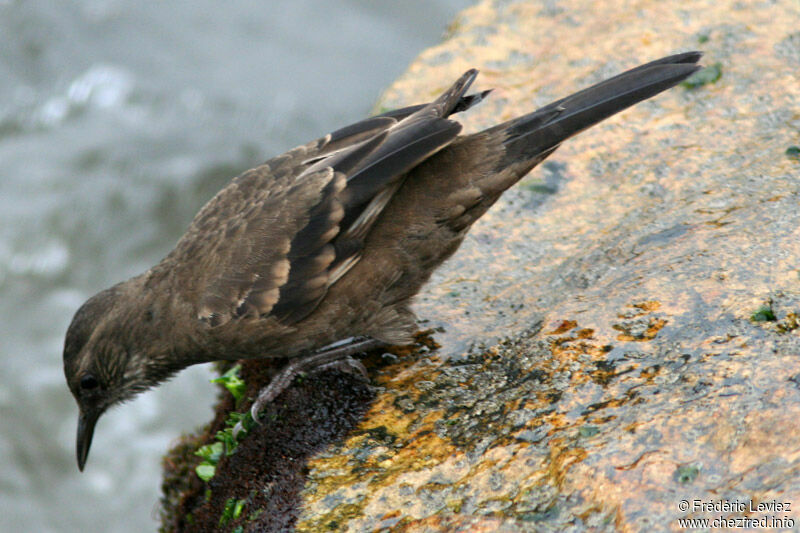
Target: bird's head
112, 352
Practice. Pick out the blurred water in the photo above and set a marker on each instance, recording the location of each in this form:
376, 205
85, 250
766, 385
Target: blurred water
118, 120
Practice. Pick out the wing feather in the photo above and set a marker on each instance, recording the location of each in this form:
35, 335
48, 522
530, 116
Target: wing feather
273, 241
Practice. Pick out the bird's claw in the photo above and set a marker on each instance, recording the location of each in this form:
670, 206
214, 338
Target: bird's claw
265, 397
347, 364
255, 410
336, 356
238, 429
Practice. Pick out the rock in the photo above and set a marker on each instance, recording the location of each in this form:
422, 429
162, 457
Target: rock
617, 335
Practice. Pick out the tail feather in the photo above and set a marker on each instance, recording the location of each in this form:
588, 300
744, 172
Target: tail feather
451, 99
531, 137
464, 103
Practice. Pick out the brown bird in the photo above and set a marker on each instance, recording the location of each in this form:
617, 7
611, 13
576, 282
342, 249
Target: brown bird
317, 254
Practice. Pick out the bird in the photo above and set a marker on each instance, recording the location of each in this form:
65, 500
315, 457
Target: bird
316, 255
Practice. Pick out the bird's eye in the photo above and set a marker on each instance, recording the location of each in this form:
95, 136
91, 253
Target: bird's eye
89, 382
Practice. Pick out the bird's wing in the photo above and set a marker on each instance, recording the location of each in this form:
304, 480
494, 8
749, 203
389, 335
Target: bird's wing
277, 237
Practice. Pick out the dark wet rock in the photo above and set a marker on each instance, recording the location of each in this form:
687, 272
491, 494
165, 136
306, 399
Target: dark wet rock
600, 354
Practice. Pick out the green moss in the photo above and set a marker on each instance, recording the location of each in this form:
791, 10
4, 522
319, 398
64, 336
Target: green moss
764, 314
226, 436
588, 431
686, 474
226, 442
232, 511
238, 508
540, 187
205, 471
231, 381
704, 76
793, 152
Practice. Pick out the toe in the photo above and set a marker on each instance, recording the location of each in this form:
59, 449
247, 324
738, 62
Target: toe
255, 411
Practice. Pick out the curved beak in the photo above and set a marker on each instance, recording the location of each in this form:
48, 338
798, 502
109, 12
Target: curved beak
86, 423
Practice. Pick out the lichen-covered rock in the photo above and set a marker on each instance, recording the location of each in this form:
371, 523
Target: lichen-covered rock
617, 335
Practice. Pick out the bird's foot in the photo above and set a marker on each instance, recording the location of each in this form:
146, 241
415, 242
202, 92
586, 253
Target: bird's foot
334, 356
348, 365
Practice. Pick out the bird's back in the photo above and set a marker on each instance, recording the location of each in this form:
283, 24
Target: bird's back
333, 239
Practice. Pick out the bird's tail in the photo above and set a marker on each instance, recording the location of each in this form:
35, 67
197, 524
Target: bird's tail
530, 138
